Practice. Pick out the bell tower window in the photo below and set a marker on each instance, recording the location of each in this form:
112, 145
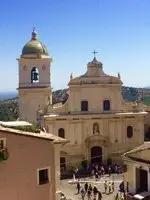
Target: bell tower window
84, 105
34, 75
106, 105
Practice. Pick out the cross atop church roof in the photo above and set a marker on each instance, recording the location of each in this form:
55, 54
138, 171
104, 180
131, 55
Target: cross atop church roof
94, 52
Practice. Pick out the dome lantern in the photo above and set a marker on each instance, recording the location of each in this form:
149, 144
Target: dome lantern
34, 46
34, 34
95, 67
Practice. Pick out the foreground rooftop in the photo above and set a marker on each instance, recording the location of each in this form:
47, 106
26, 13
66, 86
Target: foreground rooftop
41, 135
15, 123
132, 156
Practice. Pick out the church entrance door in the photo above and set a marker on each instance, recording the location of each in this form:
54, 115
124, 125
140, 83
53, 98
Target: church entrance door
141, 180
62, 163
96, 154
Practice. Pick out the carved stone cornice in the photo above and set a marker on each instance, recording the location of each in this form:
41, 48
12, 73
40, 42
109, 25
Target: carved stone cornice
96, 140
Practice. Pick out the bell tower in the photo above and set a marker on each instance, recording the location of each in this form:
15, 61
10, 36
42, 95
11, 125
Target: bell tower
34, 79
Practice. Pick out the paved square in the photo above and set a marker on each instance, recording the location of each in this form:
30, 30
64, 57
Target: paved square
70, 190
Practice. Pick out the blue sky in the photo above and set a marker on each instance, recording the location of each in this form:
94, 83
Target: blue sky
71, 29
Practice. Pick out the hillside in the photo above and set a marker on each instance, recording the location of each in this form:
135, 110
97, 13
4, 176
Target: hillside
9, 109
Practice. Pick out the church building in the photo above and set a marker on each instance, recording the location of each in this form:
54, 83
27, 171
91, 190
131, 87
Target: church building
96, 119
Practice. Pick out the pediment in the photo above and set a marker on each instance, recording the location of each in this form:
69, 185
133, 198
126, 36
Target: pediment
101, 79
63, 153
97, 138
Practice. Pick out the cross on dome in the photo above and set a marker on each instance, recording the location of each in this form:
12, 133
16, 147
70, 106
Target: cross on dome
94, 52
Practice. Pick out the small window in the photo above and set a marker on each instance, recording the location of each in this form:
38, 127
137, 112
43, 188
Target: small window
43, 176
129, 131
84, 105
61, 133
106, 105
1, 144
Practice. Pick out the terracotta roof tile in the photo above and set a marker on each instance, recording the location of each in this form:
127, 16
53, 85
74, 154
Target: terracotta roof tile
130, 157
142, 147
42, 135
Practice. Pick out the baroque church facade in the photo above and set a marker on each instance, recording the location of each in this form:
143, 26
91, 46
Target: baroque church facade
97, 121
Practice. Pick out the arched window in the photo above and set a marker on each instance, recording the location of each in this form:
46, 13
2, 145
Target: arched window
84, 105
129, 131
34, 75
61, 133
106, 105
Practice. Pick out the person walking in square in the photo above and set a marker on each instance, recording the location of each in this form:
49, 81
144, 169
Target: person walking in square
86, 187
90, 188
95, 192
113, 186
82, 194
96, 176
99, 195
105, 186
78, 186
109, 171
109, 187
89, 194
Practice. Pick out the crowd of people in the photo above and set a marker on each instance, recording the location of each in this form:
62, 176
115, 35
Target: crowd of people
100, 169
89, 191
97, 171
94, 192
